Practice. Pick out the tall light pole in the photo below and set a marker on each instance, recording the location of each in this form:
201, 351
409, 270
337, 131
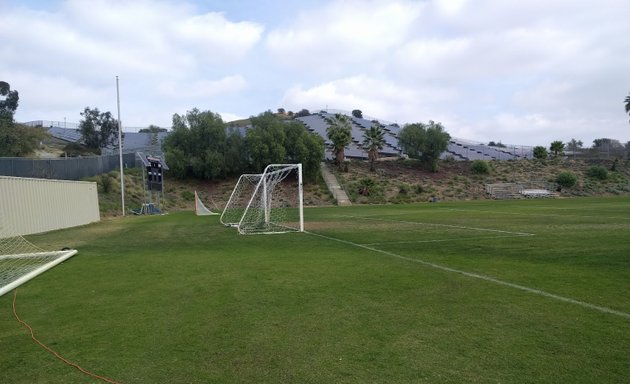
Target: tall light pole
122, 174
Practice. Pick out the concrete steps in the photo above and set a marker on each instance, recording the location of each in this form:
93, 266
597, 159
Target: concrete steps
333, 186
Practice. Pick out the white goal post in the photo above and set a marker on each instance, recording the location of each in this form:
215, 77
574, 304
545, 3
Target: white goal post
200, 209
20, 261
267, 203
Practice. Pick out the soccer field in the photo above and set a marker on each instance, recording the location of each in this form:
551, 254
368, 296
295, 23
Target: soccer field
528, 291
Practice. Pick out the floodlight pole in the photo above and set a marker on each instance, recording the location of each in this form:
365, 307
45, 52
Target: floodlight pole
122, 175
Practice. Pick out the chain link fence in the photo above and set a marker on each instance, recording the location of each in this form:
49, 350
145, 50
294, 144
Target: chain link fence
74, 168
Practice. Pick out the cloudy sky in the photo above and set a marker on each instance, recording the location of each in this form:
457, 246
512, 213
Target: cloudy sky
519, 72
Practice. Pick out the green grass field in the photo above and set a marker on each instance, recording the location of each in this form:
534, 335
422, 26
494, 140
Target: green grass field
533, 291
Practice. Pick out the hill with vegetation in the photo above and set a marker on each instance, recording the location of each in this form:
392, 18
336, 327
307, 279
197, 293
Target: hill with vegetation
393, 182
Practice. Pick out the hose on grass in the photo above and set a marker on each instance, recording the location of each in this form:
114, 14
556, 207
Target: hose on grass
57, 355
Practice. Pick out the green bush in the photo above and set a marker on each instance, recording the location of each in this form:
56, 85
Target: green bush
540, 152
598, 172
366, 186
107, 183
188, 196
480, 167
566, 179
403, 189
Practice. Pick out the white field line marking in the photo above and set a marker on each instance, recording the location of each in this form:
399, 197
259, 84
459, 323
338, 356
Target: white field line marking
481, 277
445, 240
535, 214
440, 225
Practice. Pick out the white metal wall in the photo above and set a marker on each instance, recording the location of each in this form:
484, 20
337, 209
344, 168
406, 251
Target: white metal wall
38, 205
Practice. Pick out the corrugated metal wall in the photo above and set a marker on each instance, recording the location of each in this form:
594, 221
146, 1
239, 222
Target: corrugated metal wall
38, 205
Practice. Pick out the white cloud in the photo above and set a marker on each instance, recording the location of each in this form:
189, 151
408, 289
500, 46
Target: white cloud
520, 72
342, 33
76, 49
375, 97
202, 89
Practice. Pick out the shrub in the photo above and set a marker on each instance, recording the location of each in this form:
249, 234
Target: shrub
188, 196
540, 152
598, 172
480, 167
614, 165
566, 179
419, 189
107, 183
366, 186
403, 189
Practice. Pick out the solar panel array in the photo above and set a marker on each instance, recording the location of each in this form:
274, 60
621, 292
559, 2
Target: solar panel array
457, 149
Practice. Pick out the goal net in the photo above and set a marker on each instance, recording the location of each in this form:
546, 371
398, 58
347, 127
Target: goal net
200, 209
269, 202
20, 261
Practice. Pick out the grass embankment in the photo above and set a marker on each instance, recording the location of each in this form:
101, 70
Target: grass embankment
181, 299
405, 181
394, 181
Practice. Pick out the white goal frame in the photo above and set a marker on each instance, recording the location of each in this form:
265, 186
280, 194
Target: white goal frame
200, 209
255, 208
27, 266
20, 260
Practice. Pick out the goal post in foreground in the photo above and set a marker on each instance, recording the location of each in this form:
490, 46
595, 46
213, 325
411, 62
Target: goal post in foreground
20, 261
269, 202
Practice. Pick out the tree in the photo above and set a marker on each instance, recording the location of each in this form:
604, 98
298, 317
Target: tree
497, 144
281, 111
18, 140
15, 139
265, 141
557, 148
540, 152
574, 145
302, 113
9, 103
627, 101
304, 147
153, 129
425, 142
98, 129
339, 132
373, 141
357, 113
236, 160
196, 146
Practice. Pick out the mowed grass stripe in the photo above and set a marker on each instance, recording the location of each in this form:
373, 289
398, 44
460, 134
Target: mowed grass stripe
478, 276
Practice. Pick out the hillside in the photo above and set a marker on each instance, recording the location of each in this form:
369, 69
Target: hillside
394, 181
402, 181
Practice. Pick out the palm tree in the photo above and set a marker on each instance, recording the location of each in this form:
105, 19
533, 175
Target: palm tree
339, 131
627, 101
373, 141
556, 147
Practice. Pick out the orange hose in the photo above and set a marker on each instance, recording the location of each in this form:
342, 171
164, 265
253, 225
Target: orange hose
55, 353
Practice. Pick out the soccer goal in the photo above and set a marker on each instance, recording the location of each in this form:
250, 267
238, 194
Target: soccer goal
266, 203
200, 209
20, 260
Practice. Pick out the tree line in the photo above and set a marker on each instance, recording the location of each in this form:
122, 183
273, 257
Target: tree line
201, 145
